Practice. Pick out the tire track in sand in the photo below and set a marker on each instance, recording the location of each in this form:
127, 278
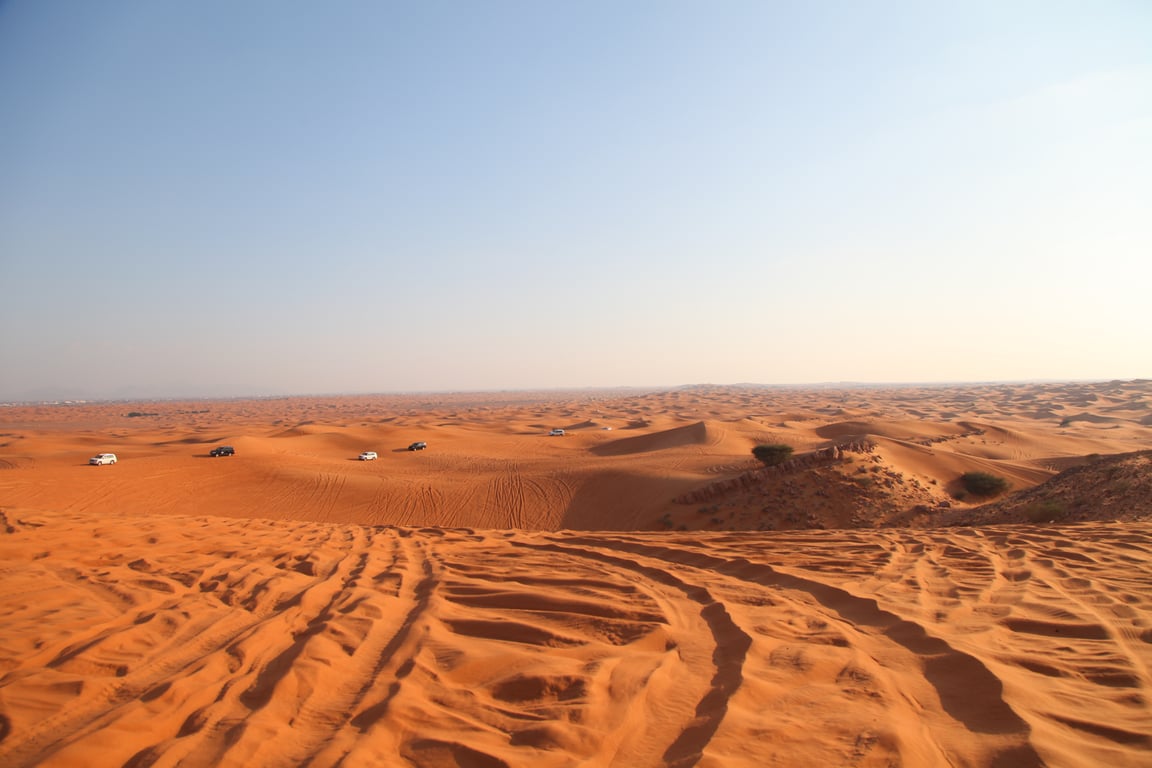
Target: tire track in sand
729, 643
966, 689
248, 642
371, 587
262, 658
190, 644
360, 698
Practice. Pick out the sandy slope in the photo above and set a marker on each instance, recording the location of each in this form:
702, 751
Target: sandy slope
454, 607
195, 641
491, 464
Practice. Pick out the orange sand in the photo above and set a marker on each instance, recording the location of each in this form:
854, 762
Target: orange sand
265, 610
491, 463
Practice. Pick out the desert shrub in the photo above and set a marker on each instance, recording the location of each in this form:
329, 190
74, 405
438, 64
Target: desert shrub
772, 454
983, 483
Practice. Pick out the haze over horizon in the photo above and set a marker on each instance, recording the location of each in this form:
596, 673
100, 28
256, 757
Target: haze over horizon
202, 200
529, 392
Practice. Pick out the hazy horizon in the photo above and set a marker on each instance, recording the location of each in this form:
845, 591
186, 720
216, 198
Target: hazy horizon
210, 201
591, 389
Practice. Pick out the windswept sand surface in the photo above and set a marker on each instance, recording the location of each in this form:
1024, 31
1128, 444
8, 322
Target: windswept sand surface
644, 595
135, 640
629, 461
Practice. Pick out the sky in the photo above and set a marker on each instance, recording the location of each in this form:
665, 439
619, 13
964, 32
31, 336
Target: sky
218, 199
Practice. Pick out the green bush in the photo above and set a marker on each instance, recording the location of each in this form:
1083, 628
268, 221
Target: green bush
983, 483
772, 454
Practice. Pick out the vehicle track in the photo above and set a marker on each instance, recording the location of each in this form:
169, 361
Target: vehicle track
376, 649
729, 644
235, 642
978, 704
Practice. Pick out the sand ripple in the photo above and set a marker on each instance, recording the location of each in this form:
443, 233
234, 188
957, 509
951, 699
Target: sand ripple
137, 641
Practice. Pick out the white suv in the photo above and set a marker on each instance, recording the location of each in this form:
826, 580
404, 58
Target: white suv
368, 456
103, 458
556, 433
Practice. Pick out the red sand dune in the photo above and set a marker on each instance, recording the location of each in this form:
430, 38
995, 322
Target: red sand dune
200, 641
493, 601
491, 463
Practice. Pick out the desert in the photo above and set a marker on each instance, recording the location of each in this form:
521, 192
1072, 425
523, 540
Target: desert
638, 591
575, 385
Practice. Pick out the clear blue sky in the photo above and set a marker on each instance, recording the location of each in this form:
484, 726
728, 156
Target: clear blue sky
220, 198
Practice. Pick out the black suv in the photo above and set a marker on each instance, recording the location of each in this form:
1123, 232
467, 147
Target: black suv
223, 450
418, 446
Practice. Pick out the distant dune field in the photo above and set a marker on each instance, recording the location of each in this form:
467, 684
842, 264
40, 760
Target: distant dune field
628, 460
637, 592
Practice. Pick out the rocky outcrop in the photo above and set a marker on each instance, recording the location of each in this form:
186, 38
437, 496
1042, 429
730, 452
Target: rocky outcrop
753, 478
